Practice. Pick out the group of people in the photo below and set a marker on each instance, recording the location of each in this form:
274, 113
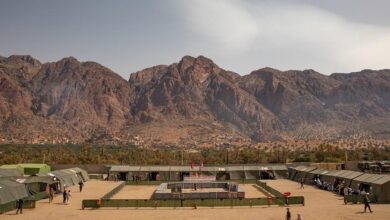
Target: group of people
342, 189
323, 184
66, 196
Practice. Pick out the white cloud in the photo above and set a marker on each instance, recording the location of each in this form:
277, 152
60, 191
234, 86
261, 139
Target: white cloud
224, 23
286, 36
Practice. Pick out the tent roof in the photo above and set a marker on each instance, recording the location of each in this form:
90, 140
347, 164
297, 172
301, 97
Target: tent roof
278, 167
349, 174
12, 172
124, 168
373, 178
10, 166
38, 179
339, 173
180, 168
367, 177
319, 171
384, 179
240, 168
304, 168
11, 191
33, 165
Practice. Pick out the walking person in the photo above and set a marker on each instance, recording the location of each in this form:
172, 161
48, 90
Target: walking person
366, 201
81, 185
51, 194
64, 195
19, 206
68, 197
345, 192
299, 217
288, 214
302, 181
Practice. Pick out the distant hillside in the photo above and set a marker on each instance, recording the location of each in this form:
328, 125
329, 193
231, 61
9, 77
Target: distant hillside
193, 103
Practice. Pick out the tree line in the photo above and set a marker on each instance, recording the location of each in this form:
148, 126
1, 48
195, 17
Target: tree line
132, 155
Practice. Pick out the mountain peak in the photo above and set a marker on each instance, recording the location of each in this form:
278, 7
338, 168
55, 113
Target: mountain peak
24, 58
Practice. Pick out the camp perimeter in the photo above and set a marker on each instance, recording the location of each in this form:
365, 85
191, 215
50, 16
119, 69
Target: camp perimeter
190, 192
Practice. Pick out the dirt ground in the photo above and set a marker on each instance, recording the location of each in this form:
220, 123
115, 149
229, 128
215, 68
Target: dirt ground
320, 205
135, 192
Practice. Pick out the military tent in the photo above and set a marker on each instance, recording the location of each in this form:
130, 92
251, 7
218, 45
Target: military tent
238, 172
317, 173
11, 191
300, 172
67, 177
377, 184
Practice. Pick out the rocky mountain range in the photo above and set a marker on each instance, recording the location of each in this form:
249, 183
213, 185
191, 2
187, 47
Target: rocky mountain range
191, 103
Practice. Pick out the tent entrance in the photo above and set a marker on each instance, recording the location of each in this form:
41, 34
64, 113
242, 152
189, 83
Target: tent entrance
122, 176
223, 176
365, 187
184, 174
267, 175
153, 176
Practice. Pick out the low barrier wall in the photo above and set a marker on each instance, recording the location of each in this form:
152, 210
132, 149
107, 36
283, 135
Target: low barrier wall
148, 203
276, 198
114, 191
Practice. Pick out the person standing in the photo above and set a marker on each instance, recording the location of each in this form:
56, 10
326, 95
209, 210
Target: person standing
81, 185
288, 214
366, 201
19, 205
299, 217
302, 181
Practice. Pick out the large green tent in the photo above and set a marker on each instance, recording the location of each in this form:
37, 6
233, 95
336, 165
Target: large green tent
29, 168
70, 177
11, 191
34, 168
175, 173
377, 184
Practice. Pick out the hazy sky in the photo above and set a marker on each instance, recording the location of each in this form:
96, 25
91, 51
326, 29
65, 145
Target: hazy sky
239, 35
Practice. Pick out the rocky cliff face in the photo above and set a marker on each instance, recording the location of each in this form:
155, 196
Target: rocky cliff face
192, 102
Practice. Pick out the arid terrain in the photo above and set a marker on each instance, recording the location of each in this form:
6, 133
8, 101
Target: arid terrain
193, 102
321, 205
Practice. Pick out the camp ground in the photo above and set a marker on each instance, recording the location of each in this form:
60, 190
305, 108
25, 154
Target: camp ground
131, 192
